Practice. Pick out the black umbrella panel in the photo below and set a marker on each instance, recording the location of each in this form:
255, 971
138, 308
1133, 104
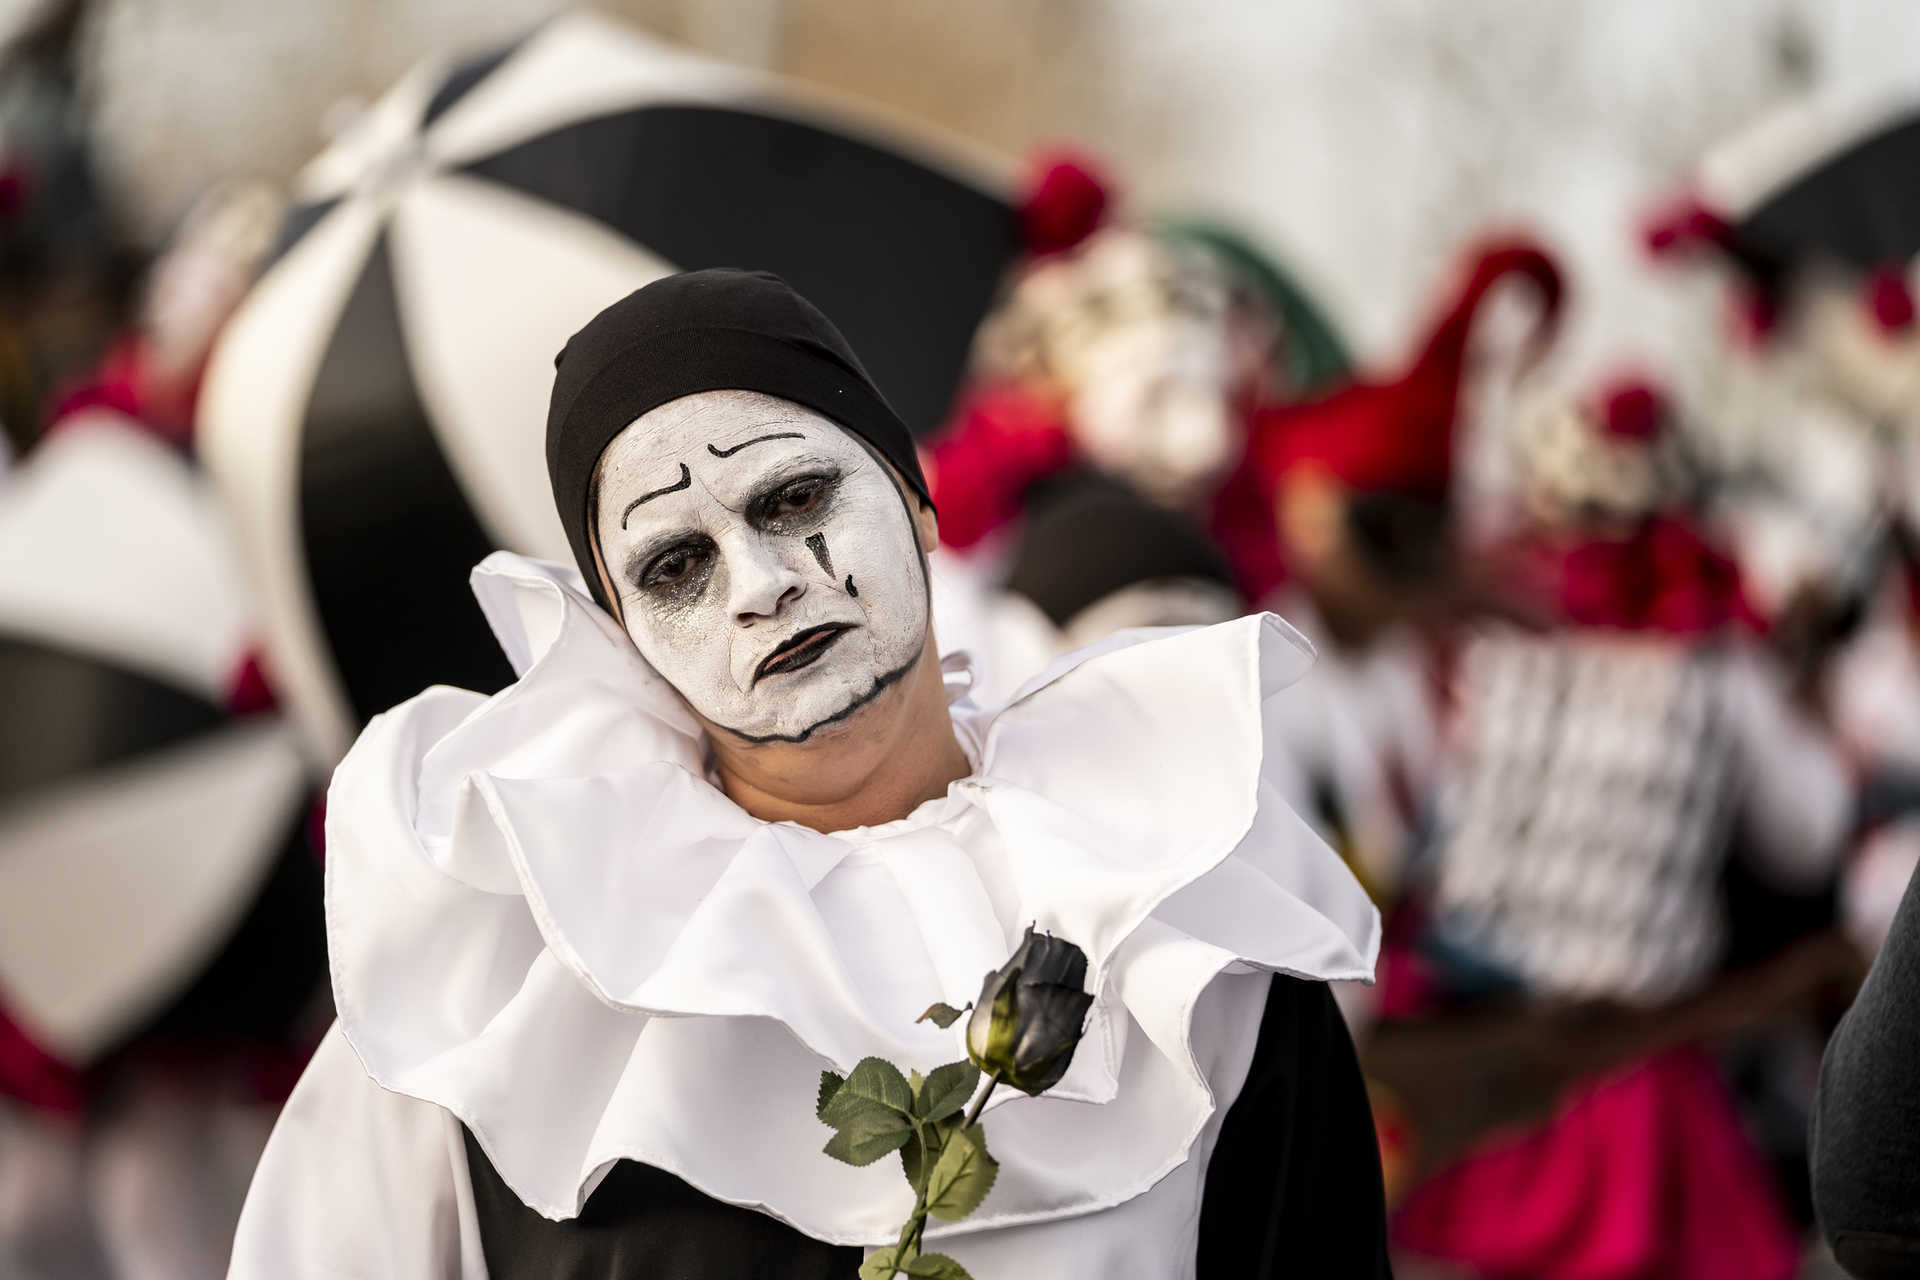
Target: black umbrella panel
1834, 179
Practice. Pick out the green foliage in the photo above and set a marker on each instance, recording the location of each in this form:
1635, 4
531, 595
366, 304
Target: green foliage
947, 1091
871, 1111
874, 1082
885, 1263
920, 1154
830, 1082
942, 1015
962, 1176
867, 1138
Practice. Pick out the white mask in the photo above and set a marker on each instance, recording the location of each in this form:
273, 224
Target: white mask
733, 525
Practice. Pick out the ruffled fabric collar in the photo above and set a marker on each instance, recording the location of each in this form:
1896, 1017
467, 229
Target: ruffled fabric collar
545, 919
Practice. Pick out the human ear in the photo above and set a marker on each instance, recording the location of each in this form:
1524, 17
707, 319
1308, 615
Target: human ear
926, 523
920, 512
606, 582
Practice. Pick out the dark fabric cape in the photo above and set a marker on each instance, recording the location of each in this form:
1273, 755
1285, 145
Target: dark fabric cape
1293, 1188
1866, 1120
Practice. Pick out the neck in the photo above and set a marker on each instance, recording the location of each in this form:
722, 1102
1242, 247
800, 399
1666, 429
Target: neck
898, 753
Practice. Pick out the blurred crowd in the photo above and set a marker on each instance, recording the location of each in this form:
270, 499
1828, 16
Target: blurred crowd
1617, 706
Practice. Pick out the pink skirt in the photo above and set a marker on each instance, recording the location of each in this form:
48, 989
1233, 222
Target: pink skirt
1641, 1176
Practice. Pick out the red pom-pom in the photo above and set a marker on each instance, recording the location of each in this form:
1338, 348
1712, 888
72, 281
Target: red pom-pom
1687, 224
1063, 206
1632, 410
1889, 301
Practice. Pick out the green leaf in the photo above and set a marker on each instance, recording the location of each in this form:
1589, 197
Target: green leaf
948, 1090
914, 1081
868, 1137
935, 1135
942, 1015
962, 1176
935, 1266
880, 1265
830, 1082
873, 1083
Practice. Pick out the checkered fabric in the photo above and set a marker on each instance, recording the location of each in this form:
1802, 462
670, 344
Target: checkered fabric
1587, 816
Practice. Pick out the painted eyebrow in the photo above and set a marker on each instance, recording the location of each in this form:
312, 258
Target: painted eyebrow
778, 435
685, 481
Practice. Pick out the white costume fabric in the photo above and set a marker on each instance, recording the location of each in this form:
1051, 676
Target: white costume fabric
547, 924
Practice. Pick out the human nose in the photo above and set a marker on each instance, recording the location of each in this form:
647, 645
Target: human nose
762, 582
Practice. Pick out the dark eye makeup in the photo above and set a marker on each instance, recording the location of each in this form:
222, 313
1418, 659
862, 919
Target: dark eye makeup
680, 565
793, 501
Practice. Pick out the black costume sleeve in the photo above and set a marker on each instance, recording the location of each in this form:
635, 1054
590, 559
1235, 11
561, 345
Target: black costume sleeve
1294, 1186
1866, 1120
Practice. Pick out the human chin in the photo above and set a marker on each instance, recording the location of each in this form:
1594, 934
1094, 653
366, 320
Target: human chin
851, 674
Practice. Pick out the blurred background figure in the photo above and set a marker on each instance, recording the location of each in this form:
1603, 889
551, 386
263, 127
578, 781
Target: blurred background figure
1808, 216
67, 262
1136, 350
1095, 463
1318, 308
1600, 775
1364, 550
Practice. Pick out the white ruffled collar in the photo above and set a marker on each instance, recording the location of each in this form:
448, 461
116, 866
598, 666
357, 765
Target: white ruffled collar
545, 919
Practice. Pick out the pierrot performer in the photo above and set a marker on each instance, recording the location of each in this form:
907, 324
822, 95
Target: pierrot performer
595, 938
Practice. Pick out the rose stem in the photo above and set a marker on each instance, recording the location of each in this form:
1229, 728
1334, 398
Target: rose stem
917, 1224
980, 1103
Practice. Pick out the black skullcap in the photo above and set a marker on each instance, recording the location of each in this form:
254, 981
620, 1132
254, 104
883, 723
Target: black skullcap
713, 330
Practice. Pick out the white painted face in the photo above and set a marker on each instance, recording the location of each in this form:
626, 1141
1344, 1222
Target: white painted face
1141, 338
763, 561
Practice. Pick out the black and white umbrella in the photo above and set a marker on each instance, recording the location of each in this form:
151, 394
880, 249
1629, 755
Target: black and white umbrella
376, 408
153, 870
1831, 181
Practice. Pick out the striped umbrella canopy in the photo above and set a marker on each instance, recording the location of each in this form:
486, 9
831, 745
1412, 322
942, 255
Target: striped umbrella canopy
375, 409
1830, 180
153, 869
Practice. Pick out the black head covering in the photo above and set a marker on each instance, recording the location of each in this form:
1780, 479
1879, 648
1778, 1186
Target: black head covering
1088, 536
714, 330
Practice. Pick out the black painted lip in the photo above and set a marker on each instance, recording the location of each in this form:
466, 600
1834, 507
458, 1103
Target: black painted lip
801, 651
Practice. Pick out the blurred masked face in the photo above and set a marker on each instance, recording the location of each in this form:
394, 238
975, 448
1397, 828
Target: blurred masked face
1151, 403
1140, 338
763, 561
1874, 369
